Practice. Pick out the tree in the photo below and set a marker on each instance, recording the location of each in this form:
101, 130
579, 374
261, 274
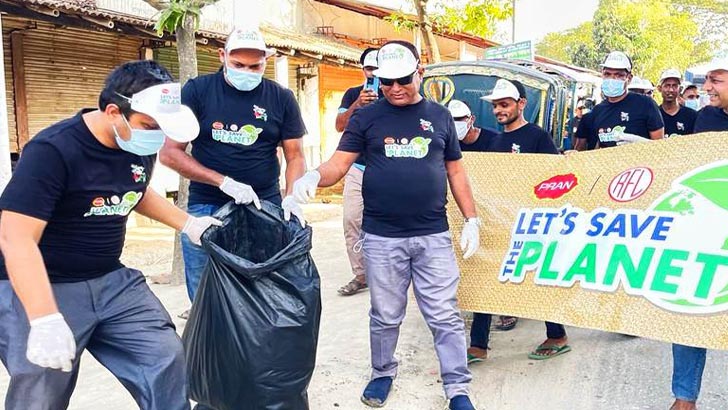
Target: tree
182, 18
656, 34
477, 17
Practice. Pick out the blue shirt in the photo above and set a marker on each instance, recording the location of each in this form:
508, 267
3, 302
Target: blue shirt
529, 139
682, 123
635, 114
711, 119
239, 133
405, 181
84, 191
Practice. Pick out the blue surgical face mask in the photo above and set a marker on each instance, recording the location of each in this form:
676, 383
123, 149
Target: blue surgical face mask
612, 87
141, 142
693, 104
243, 80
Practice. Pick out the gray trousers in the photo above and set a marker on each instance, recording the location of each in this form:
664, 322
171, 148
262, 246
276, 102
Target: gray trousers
428, 262
353, 208
120, 322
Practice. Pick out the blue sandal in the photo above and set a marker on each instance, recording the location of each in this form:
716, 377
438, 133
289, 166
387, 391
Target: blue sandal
377, 391
461, 402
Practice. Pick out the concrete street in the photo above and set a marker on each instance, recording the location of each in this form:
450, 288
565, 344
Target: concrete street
604, 371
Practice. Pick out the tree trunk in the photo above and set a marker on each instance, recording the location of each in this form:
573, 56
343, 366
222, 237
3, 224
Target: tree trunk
4, 133
187, 54
431, 48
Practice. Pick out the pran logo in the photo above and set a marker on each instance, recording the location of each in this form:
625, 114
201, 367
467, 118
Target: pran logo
630, 184
556, 187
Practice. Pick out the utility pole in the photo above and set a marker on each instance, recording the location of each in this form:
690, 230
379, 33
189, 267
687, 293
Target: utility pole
513, 23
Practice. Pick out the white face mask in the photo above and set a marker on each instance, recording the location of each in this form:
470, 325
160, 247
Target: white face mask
462, 128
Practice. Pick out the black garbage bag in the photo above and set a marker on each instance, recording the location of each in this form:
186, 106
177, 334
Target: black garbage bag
252, 333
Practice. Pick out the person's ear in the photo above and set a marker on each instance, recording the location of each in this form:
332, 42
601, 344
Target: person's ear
221, 55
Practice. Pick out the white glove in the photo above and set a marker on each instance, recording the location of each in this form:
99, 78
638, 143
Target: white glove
196, 226
241, 193
625, 138
304, 189
470, 238
51, 343
291, 207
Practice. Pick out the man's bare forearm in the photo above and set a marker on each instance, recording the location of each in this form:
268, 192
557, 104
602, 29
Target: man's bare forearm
189, 167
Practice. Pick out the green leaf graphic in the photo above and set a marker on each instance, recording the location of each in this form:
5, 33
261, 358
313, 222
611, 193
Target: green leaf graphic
712, 184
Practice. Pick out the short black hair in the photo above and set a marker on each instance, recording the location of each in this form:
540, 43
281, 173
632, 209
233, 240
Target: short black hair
411, 47
130, 78
521, 89
364, 54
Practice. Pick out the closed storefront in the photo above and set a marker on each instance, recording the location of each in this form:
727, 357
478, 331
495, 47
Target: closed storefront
58, 70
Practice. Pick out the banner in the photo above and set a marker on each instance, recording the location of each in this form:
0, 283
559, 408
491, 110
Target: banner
632, 239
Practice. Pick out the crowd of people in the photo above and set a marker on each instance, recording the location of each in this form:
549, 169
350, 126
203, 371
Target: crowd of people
63, 289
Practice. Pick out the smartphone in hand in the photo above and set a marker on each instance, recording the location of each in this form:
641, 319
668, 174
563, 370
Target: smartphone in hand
372, 84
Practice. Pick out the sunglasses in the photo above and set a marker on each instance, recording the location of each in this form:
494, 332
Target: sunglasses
388, 82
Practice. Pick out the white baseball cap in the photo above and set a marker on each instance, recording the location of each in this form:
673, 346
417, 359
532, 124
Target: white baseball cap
617, 60
370, 59
395, 61
503, 89
640, 84
458, 109
718, 65
163, 103
670, 73
247, 38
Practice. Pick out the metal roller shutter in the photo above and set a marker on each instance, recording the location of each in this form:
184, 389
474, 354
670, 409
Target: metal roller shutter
207, 60
65, 69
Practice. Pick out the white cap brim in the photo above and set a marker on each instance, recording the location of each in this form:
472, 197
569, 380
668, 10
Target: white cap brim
180, 126
718, 65
394, 73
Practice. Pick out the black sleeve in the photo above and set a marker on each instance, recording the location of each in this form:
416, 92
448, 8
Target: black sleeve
293, 126
38, 182
353, 139
654, 118
690, 125
582, 131
546, 144
189, 97
349, 97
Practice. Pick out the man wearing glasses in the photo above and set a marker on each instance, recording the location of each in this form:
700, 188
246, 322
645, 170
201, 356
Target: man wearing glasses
622, 116
678, 120
412, 153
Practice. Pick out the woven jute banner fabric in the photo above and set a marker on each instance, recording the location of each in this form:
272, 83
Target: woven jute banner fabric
631, 239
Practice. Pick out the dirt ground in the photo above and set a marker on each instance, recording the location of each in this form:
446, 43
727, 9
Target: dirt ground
603, 372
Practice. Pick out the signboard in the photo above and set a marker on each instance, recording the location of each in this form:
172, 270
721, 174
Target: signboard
632, 239
515, 51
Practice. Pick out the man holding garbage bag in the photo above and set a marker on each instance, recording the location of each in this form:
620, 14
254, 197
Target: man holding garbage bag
412, 153
62, 287
243, 118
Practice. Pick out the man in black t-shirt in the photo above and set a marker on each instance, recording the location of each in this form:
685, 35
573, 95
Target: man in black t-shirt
622, 117
412, 153
678, 120
471, 138
519, 137
355, 98
63, 289
243, 118
689, 361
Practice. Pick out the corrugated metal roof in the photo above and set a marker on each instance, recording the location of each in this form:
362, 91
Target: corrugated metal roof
274, 36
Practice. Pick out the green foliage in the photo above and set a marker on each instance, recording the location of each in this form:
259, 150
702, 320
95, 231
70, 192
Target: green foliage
654, 33
477, 17
172, 17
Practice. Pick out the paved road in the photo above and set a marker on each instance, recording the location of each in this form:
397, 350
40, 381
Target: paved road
604, 371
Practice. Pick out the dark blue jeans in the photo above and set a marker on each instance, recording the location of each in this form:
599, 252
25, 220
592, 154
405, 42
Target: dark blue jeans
120, 322
480, 331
